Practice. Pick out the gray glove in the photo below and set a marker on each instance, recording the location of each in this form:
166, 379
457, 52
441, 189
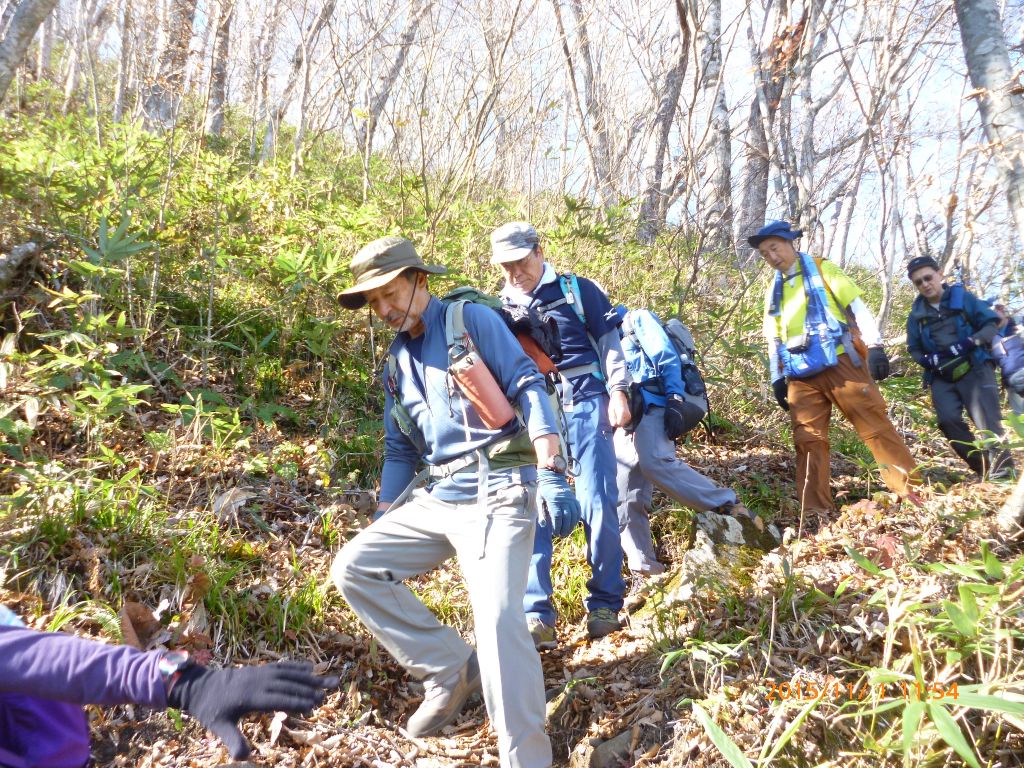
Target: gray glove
558, 505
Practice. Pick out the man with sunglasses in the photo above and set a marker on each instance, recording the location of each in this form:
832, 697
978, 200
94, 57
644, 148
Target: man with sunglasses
949, 331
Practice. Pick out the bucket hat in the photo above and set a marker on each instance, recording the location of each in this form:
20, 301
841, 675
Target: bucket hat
380, 262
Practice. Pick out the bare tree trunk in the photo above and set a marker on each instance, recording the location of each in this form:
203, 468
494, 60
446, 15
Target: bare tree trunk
596, 121
124, 63
598, 170
160, 104
381, 94
719, 214
652, 207
770, 75
300, 129
1000, 95
20, 32
44, 56
261, 55
9, 7
219, 71
307, 42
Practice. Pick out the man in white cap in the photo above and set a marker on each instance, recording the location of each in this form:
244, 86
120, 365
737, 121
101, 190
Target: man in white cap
595, 386
428, 420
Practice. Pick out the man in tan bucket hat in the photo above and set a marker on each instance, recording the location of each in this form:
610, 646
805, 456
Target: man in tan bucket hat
427, 420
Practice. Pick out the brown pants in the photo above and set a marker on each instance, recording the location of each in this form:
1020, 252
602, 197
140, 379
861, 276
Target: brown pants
853, 392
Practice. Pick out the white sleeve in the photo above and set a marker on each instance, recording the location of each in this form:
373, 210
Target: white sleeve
866, 323
774, 366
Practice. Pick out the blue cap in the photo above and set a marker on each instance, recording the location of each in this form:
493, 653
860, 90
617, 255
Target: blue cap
920, 262
781, 229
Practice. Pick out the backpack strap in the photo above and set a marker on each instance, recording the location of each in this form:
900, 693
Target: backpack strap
853, 345
572, 296
455, 334
402, 418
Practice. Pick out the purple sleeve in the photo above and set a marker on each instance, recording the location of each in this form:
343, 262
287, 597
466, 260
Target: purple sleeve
52, 665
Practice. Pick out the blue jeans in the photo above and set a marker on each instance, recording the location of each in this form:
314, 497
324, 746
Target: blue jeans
590, 439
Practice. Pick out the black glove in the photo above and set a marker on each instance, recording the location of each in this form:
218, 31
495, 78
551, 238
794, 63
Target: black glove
781, 390
878, 363
217, 698
963, 347
675, 417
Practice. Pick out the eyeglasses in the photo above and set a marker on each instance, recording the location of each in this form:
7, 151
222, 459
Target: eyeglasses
922, 280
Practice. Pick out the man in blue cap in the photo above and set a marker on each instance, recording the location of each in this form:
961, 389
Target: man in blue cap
823, 343
949, 333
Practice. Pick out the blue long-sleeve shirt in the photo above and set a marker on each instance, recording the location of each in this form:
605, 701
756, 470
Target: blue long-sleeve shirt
651, 356
53, 665
448, 422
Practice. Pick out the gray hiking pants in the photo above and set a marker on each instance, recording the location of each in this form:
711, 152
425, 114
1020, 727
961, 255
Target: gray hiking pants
494, 555
978, 393
645, 459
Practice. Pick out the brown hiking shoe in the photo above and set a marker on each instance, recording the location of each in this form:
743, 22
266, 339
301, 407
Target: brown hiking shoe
444, 699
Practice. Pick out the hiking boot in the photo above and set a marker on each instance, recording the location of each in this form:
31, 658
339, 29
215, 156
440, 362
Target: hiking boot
739, 510
544, 636
641, 584
443, 699
601, 622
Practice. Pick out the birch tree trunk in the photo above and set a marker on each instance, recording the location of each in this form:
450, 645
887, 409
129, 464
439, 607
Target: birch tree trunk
20, 32
598, 169
595, 110
219, 71
772, 69
44, 56
382, 92
160, 104
720, 214
652, 207
7, 9
307, 43
1000, 95
124, 63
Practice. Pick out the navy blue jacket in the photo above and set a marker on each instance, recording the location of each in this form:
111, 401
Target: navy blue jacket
973, 321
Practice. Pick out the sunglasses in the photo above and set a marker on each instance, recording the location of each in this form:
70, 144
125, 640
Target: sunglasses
922, 280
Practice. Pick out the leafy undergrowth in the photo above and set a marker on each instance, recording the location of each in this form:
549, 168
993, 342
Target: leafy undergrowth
161, 533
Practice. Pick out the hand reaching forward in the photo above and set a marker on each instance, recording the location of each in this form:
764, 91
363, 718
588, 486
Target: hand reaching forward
218, 698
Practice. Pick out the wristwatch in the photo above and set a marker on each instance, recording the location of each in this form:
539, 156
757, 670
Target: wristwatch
172, 665
559, 464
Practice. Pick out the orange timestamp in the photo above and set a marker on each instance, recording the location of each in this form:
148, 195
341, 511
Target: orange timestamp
806, 690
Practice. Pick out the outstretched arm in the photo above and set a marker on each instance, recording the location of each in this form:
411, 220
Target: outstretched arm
52, 665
